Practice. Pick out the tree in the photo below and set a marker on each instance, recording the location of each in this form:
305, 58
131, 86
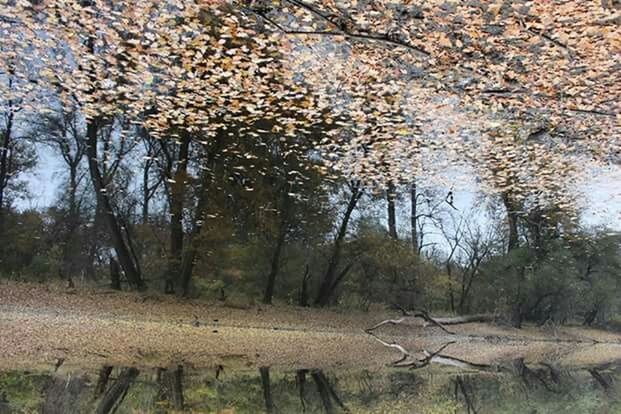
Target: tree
64, 134
332, 276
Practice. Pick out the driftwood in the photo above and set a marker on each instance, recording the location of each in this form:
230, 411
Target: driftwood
439, 322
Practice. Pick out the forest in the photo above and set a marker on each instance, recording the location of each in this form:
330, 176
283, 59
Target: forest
317, 206
316, 153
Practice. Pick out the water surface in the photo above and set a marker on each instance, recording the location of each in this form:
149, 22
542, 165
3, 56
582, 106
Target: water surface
513, 387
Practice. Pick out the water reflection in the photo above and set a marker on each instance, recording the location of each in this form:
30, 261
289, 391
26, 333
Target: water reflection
517, 388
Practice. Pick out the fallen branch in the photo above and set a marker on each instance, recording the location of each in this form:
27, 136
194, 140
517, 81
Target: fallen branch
404, 353
439, 322
458, 320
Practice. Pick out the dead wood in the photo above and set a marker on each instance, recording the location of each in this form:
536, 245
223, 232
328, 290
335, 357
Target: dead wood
439, 322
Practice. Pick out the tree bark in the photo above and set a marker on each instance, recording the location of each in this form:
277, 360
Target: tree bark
121, 248
326, 289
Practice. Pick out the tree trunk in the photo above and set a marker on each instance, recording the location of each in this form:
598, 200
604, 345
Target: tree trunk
280, 242
177, 190
146, 197
517, 312
115, 275
327, 285
414, 219
512, 219
4, 165
73, 189
392, 217
591, 315
274, 268
303, 299
121, 248
117, 392
73, 219
267, 389
189, 252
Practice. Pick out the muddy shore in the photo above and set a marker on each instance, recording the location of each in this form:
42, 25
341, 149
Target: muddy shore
41, 325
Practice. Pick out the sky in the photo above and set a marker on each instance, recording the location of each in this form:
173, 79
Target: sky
601, 197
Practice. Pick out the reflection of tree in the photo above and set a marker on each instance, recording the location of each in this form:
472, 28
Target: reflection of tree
326, 392
411, 360
115, 395
62, 395
464, 387
300, 379
531, 376
102, 380
267, 389
4, 404
171, 386
604, 380
511, 386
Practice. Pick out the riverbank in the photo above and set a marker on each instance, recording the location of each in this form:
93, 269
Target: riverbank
43, 326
